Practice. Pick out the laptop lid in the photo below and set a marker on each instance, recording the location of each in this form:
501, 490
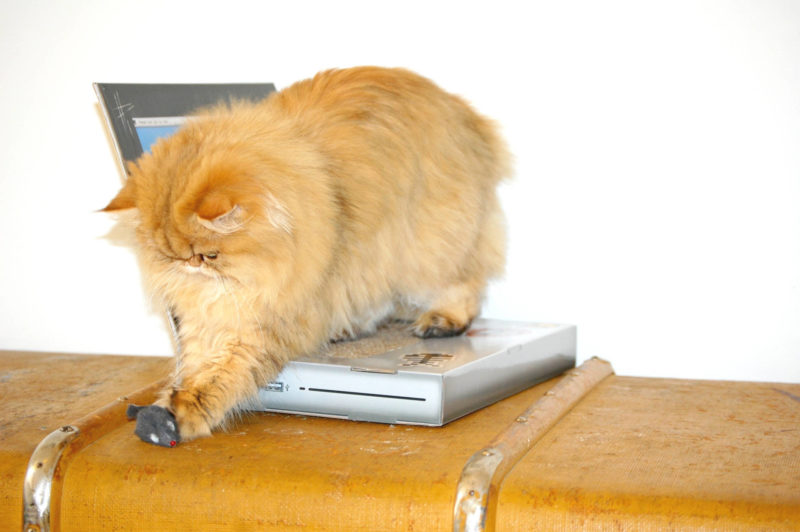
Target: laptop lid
138, 114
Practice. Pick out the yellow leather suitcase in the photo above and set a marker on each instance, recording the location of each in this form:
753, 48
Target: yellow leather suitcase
589, 450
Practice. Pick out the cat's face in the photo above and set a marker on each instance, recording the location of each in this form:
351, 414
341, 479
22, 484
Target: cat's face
205, 213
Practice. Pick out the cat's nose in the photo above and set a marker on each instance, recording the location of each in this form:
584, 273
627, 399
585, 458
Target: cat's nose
196, 260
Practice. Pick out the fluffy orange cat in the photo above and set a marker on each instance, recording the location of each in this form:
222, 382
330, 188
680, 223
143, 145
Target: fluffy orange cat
271, 228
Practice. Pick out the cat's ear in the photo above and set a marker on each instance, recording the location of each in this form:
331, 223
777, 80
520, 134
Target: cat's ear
125, 199
218, 213
221, 214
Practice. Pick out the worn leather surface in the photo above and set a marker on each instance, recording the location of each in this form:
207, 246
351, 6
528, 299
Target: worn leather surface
663, 454
40, 392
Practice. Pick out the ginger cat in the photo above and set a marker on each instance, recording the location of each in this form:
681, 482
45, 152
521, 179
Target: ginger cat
271, 228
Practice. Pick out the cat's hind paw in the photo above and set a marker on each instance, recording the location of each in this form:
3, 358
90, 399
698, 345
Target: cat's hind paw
155, 424
435, 325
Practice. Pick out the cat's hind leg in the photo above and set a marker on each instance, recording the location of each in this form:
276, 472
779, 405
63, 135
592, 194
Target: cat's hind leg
450, 312
454, 304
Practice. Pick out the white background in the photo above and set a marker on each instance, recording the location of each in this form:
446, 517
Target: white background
656, 201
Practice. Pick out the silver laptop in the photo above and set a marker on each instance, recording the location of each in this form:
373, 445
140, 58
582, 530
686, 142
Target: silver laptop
391, 376
395, 377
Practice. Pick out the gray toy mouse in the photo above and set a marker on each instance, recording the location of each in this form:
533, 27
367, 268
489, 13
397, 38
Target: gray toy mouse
155, 425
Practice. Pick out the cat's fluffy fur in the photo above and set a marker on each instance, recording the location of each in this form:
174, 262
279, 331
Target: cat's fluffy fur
270, 228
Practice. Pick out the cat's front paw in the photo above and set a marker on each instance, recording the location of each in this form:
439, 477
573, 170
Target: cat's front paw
155, 424
192, 410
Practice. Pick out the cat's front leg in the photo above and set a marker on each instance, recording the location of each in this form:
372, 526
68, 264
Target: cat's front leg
207, 388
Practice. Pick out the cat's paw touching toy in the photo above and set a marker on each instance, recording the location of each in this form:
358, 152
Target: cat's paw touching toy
155, 425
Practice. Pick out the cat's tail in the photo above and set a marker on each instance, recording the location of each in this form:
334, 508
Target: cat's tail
500, 165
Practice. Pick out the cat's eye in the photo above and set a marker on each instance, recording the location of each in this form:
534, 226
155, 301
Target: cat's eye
210, 256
